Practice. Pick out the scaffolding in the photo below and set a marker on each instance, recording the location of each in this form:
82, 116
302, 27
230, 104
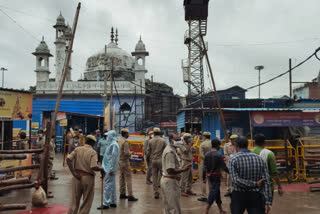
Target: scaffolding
196, 14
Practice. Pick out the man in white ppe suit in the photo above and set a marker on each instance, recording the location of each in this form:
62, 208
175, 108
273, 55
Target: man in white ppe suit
110, 165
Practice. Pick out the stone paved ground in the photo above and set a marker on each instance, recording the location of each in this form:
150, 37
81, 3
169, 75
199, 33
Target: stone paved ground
294, 201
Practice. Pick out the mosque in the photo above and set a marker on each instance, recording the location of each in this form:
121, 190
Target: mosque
86, 96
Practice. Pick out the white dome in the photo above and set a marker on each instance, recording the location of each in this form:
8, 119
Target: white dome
60, 20
122, 61
140, 47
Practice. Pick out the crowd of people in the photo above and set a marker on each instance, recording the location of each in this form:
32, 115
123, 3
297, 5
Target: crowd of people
250, 174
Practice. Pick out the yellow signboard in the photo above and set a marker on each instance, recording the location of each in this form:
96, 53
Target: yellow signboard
35, 125
15, 105
63, 122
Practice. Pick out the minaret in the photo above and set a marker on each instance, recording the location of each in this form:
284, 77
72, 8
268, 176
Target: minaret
60, 46
42, 54
68, 36
140, 56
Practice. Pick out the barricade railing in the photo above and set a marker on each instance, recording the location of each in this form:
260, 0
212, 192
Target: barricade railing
287, 164
309, 158
137, 161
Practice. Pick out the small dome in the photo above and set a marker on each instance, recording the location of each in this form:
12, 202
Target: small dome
60, 20
140, 46
42, 48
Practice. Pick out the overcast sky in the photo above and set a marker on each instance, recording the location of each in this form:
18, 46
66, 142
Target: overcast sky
241, 35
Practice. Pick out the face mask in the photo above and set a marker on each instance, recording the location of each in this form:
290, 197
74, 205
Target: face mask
40, 135
189, 140
177, 143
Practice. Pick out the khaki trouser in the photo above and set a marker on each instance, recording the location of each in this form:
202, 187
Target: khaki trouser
156, 174
186, 181
171, 195
83, 187
149, 170
125, 177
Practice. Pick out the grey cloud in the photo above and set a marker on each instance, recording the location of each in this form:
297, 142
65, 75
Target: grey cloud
161, 23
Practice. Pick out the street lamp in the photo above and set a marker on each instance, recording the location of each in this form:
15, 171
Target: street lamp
259, 68
3, 70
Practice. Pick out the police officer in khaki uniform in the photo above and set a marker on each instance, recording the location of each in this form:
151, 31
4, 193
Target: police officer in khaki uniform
205, 147
82, 163
147, 158
171, 175
155, 149
186, 159
124, 166
52, 148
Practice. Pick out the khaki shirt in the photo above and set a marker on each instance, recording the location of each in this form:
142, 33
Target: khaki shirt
156, 147
52, 148
85, 158
170, 160
40, 143
228, 150
145, 147
124, 149
205, 147
186, 156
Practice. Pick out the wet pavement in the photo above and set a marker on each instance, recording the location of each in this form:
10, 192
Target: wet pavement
295, 200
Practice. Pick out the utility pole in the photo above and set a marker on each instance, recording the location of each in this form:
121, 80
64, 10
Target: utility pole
3, 70
105, 98
259, 68
290, 78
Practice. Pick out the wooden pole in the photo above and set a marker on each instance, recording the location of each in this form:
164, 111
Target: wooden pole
12, 157
16, 181
111, 96
290, 78
19, 168
251, 128
44, 161
15, 187
30, 125
65, 71
105, 98
4, 207
102, 195
21, 151
221, 117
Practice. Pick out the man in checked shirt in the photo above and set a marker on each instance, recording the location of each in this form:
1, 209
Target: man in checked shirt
250, 181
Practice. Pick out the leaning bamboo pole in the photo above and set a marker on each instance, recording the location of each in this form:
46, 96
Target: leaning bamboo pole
19, 168
15, 181
4, 207
15, 187
21, 151
12, 157
51, 127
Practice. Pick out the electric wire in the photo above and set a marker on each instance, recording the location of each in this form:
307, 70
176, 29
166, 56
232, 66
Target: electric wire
20, 26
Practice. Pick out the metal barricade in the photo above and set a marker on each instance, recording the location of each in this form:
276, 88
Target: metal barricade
309, 158
137, 161
196, 159
288, 169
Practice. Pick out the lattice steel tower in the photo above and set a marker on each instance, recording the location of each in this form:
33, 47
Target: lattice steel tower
196, 14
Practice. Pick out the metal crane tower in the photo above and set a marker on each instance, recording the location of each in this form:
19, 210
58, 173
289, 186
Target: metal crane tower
196, 14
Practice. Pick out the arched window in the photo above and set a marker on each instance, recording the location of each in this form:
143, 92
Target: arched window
140, 61
125, 107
